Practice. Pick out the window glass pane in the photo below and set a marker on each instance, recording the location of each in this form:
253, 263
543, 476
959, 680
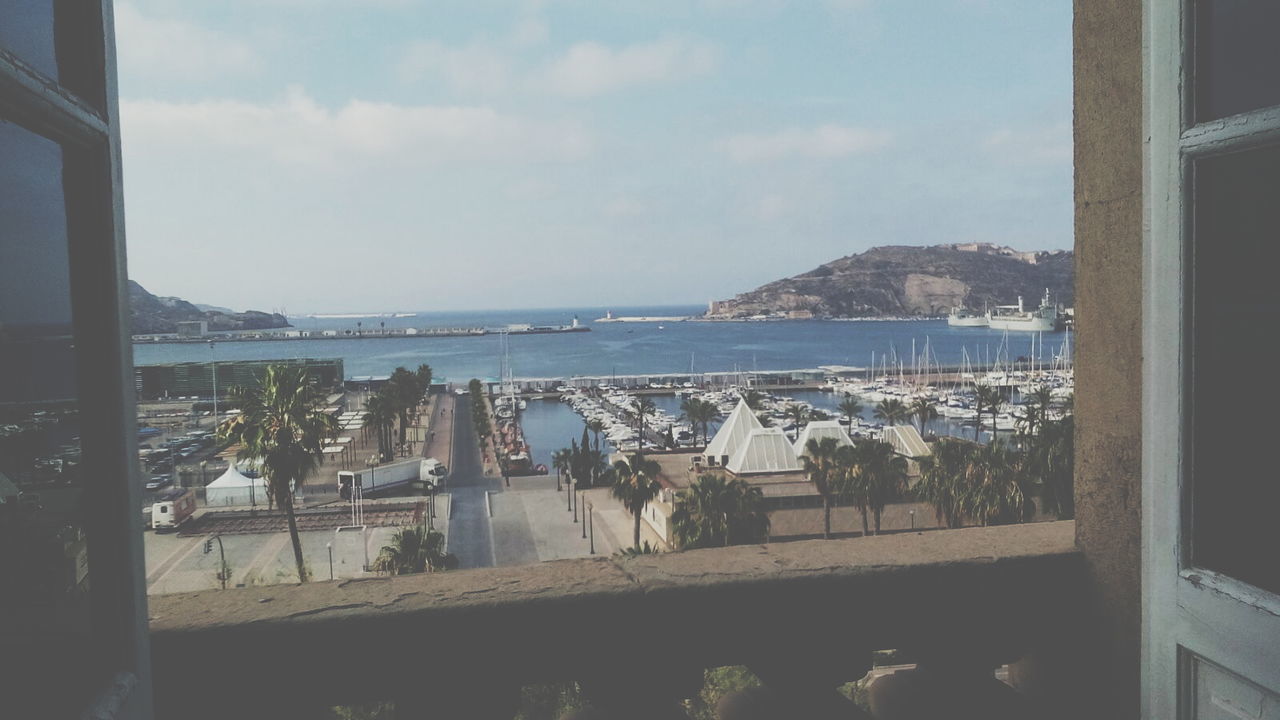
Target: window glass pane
1236, 397
26, 30
44, 593
1237, 56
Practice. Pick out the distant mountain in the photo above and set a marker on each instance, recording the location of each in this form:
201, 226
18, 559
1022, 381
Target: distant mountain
214, 308
902, 281
154, 314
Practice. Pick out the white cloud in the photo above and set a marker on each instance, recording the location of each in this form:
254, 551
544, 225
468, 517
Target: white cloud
475, 68
1048, 144
296, 131
151, 47
822, 142
590, 68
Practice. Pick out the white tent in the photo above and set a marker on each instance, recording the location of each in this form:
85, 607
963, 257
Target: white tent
765, 450
819, 429
905, 440
233, 488
731, 434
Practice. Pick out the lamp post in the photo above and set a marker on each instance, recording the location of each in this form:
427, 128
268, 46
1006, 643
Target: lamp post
573, 498
584, 525
213, 366
591, 520
913, 519
329, 546
568, 497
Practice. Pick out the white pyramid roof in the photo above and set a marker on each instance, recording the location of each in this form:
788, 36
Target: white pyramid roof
819, 429
905, 440
765, 450
733, 432
233, 479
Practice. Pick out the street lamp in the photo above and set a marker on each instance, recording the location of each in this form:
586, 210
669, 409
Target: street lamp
213, 366
913, 519
591, 520
329, 547
584, 524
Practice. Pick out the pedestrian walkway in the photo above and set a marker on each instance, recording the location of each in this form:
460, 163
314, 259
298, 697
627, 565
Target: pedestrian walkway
439, 443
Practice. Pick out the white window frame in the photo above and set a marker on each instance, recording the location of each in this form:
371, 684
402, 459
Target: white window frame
1186, 611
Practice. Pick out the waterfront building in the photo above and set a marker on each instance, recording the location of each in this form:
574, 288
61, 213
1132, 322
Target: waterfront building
764, 451
193, 328
195, 379
818, 429
731, 435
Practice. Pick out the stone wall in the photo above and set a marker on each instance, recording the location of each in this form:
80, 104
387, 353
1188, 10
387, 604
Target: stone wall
1108, 229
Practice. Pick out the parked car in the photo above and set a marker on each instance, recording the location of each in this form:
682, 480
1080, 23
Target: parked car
159, 481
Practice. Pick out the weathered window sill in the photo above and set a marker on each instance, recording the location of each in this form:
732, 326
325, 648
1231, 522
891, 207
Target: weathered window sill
980, 595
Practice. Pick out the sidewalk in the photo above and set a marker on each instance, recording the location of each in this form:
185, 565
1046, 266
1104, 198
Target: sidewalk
439, 443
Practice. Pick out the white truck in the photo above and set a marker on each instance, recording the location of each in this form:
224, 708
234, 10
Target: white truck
392, 475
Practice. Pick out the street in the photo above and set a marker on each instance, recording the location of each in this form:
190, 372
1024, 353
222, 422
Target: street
470, 536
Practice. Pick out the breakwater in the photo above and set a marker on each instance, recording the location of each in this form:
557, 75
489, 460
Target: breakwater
400, 333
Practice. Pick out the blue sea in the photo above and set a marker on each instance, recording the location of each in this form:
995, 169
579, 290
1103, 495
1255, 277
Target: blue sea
617, 348
621, 348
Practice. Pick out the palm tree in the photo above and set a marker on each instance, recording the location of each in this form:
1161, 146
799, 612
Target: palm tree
924, 411
850, 482
597, 427
820, 463
644, 406
986, 396
635, 483
560, 460
754, 399
1036, 412
850, 408
414, 550
403, 388
281, 425
884, 476
380, 413
797, 414
943, 479
714, 511
891, 411
995, 495
424, 373
1049, 462
699, 412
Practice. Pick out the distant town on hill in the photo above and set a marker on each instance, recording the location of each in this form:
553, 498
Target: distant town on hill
907, 281
151, 314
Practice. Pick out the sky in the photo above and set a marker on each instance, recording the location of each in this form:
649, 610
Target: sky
379, 155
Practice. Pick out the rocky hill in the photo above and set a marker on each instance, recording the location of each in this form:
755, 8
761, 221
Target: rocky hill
901, 281
154, 314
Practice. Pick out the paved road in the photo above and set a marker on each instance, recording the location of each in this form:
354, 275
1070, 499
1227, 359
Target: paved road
470, 536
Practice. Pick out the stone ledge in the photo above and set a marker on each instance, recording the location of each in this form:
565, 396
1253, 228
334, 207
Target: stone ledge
982, 590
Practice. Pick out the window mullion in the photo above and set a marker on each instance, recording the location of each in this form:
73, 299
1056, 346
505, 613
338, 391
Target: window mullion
1236, 132
41, 105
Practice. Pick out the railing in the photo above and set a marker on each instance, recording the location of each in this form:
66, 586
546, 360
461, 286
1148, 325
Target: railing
637, 633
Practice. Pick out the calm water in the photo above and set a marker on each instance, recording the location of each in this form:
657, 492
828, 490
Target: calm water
550, 424
621, 348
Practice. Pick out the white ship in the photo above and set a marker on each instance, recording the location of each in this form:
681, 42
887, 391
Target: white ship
1015, 317
961, 317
